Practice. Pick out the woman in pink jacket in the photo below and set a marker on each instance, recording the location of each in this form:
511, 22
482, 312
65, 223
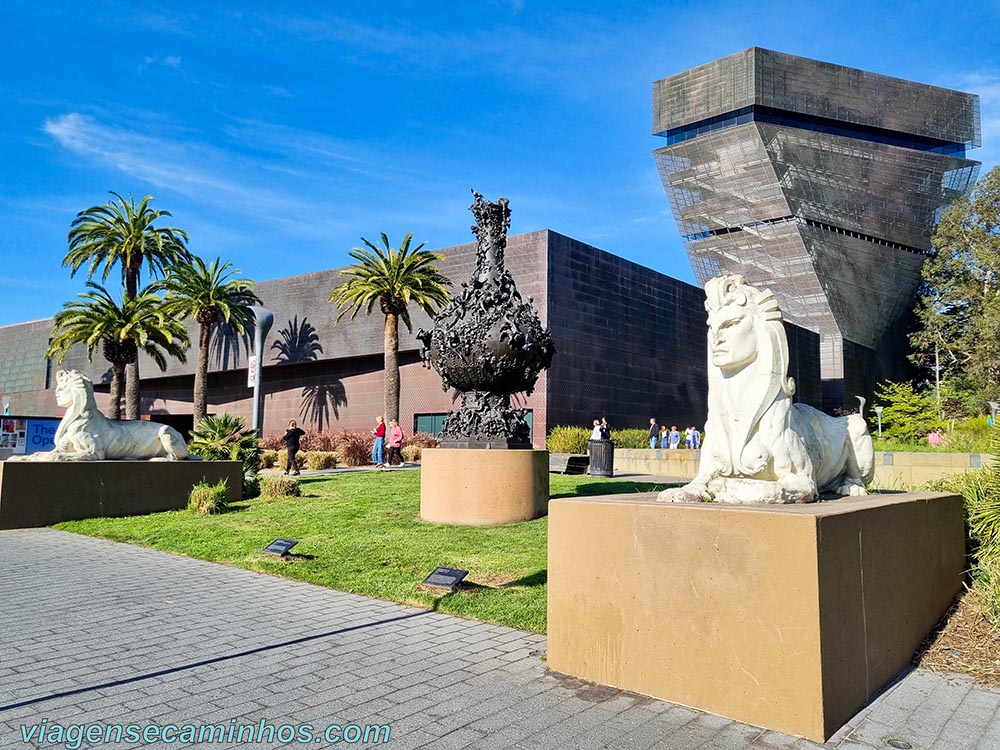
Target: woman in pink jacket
395, 442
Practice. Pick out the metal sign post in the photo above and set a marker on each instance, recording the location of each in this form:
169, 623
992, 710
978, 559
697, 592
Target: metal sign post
263, 319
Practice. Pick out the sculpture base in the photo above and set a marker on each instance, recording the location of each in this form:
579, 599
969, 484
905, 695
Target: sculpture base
41, 494
496, 445
787, 617
473, 487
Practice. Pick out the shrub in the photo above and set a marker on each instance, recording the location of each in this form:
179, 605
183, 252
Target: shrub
411, 453
354, 447
631, 438
316, 460
981, 493
225, 437
206, 498
268, 459
421, 440
568, 440
908, 415
277, 485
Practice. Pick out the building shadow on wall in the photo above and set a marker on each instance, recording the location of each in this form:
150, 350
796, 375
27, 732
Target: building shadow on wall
318, 401
299, 342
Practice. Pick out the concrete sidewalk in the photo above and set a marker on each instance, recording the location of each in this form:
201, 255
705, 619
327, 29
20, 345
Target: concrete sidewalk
97, 632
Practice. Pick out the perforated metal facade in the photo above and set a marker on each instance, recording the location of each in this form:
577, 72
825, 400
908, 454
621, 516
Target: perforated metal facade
821, 182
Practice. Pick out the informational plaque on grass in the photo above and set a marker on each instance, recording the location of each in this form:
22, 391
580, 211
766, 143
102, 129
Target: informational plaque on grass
280, 547
445, 578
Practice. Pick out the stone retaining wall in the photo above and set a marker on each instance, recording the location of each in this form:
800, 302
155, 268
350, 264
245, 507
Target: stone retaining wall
893, 471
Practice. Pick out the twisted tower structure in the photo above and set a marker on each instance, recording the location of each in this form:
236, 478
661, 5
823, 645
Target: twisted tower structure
818, 181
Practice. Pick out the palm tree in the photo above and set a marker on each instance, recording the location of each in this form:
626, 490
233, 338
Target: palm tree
393, 278
122, 330
121, 233
212, 297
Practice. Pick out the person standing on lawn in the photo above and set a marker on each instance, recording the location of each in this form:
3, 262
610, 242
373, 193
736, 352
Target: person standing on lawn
395, 442
292, 436
378, 448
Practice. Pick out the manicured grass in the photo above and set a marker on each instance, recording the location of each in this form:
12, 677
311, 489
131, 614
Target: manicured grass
361, 533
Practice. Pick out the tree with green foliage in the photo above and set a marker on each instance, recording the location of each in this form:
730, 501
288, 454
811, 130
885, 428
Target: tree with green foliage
959, 309
392, 278
211, 296
121, 329
908, 414
121, 234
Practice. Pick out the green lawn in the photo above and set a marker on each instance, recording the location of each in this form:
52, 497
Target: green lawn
362, 534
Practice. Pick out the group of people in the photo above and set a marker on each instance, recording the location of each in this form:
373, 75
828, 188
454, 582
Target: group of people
394, 433
670, 439
601, 430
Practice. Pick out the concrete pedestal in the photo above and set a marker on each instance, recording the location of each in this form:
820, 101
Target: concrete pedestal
475, 487
786, 617
43, 493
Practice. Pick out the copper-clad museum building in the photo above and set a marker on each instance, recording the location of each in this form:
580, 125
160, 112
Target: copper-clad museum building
631, 343
822, 182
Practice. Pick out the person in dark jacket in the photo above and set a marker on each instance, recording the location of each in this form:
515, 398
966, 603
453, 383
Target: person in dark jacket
292, 436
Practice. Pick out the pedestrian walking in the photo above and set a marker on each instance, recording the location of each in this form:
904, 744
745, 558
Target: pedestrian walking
395, 442
378, 448
674, 439
291, 439
654, 431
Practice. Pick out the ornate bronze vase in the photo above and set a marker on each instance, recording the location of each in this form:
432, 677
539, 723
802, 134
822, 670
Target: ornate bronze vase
487, 343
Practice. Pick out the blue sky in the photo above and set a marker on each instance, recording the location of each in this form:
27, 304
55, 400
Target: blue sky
279, 135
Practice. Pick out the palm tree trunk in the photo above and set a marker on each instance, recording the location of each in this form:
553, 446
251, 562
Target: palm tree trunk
201, 374
132, 371
132, 391
391, 374
117, 374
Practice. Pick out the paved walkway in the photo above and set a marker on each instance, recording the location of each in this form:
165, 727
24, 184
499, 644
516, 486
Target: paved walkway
93, 632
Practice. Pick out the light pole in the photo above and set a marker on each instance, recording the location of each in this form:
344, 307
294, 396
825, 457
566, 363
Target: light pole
263, 319
878, 411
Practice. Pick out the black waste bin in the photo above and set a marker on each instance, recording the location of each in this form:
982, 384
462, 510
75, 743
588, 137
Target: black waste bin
602, 458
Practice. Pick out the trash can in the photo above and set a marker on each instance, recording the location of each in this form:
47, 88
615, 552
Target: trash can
602, 458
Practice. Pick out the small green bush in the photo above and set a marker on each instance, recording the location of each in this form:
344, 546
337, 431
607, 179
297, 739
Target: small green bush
268, 459
206, 499
568, 440
411, 453
632, 438
316, 460
278, 485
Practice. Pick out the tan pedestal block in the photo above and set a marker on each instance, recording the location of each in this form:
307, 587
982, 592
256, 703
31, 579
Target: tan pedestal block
786, 617
43, 493
478, 487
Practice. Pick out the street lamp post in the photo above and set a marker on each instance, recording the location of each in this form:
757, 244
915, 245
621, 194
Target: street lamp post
878, 411
263, 319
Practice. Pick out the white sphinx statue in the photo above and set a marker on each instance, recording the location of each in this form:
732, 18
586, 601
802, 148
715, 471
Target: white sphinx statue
84, 434
759, 446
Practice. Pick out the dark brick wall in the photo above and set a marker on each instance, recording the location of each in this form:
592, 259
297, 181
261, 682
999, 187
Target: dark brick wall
631, 343
804, 364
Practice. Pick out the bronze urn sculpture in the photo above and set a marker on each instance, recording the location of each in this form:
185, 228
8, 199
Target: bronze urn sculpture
488, 343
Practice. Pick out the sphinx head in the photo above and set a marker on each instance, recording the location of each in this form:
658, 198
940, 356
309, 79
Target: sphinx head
73, 389
744, 327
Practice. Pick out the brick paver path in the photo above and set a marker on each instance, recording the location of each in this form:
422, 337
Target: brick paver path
93, 632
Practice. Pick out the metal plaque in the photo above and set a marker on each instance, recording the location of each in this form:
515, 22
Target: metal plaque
280, 547
445, 578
